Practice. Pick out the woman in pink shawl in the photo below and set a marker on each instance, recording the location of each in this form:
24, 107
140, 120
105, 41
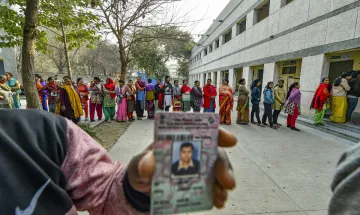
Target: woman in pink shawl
121, 101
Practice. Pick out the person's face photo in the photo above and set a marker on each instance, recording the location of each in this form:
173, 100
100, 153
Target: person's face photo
186, 159
186, 155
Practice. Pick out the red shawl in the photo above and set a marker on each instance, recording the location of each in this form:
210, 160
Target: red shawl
110, 87
320, 97
185, 89
209, 91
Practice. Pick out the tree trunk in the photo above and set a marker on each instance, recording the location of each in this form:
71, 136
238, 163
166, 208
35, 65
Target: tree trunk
28, 54
66, 51
123, 60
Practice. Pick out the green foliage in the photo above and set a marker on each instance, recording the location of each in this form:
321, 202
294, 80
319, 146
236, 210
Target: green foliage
80, 24
155, 47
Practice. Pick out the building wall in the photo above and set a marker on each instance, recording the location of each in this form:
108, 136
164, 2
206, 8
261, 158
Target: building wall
7, 55
298, 30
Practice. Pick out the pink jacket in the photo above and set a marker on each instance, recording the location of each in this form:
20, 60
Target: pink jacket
94, 181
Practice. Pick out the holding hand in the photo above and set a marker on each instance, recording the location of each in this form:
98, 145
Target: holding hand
142, 168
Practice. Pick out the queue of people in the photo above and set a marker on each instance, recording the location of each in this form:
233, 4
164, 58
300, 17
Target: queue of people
342, 98
73, 100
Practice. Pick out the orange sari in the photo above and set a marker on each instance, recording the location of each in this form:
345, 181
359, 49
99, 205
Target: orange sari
226, 101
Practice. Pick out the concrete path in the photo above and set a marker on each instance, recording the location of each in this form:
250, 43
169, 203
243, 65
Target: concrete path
277, 171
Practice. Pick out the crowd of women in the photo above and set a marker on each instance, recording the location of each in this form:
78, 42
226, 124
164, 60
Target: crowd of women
74, 99
341, 97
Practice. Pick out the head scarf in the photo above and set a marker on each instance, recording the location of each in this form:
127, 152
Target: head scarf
111, 87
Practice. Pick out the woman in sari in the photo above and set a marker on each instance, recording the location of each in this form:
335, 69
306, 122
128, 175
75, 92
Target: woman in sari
339, 104
226, 101
196, 97
176, 97
130, 100
150, 99
292, 105
53, 94
121, 101
6, 99
319, 101
243, 104
109, 100
15, 89
69, 104
185, 92
84, 96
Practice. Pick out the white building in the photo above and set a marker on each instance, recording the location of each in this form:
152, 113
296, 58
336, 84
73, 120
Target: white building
293, 40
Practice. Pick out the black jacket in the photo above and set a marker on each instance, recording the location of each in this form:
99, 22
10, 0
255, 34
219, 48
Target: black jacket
190, 171
157, 91
355, 87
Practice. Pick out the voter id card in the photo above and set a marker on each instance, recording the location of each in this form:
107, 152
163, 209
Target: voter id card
185, 150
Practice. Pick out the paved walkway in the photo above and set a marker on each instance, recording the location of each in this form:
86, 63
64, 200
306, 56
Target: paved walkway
277, 171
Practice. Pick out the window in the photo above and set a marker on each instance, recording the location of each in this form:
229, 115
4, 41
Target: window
289, 67
227, 36
262, 12
217, 43
241, 27
285, 2
210, 48
205, 51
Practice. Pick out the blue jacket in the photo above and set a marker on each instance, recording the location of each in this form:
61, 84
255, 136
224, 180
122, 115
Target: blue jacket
255, 95
268, 96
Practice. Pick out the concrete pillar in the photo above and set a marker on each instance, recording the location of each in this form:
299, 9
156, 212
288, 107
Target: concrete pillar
248, 76
234, 31
250, 19
313, 69
271, 73
275, 5
218, 79
212, 76
231, 78
202, 83
221, 40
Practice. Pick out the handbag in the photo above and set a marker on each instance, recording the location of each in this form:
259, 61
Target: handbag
177, 104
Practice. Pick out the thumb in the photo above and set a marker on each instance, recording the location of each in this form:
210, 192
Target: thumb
146, 165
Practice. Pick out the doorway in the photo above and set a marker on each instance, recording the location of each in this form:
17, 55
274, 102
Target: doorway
2, 67
336, 68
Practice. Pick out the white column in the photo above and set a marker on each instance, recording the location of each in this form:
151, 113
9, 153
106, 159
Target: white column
207, 76
234, 31
275, 5
218, 79
313, 69
271, 73
231, 78
250, 19
248, 76
202, 83
212, 76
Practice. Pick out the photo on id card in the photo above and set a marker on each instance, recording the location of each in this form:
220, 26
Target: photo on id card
185, 150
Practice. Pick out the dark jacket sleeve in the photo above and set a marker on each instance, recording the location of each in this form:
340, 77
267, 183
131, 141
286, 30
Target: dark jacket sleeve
346, 184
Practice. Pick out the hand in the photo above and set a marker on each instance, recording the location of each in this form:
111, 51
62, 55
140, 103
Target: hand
1, 98
63, 108
142, 167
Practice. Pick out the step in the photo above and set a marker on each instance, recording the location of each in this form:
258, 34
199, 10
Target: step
353, 128
345, 131
338, 130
